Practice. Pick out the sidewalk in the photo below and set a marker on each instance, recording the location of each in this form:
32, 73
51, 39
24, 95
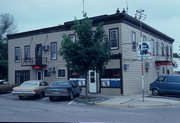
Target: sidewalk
133, 101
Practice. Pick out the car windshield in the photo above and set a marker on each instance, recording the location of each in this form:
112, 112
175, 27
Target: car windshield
60, 84
29, 83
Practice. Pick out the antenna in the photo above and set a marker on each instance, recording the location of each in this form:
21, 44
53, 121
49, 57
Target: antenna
127, 6
83, 8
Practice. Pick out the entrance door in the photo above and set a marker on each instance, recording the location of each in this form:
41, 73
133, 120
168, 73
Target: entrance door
92, 82
39, 75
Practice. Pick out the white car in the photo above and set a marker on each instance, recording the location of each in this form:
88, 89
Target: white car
30, 88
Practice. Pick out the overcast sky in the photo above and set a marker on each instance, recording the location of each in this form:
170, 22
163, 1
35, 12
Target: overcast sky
163, 15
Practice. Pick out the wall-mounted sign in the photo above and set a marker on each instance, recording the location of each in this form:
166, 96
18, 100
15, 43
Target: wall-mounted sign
145, 50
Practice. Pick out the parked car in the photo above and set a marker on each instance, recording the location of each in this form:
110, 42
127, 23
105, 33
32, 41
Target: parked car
64, 88
166, 84
3, 82
31, 88
5, 87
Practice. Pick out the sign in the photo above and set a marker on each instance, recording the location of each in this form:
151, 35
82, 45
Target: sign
145, 50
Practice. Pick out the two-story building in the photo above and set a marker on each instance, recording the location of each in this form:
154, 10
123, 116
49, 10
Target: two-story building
34, 55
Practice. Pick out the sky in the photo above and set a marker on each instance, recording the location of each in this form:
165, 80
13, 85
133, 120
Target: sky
163, 15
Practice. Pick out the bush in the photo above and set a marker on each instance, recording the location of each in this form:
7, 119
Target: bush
6, 88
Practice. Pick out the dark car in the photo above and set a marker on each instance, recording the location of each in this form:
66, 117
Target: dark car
63, 88
166, 84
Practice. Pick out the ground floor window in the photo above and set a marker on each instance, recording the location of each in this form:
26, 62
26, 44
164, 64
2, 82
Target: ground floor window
61, 72
21, 76
111, 78
47, 73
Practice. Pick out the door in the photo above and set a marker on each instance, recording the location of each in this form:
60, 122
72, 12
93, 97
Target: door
92, 82
39, 75
38, 54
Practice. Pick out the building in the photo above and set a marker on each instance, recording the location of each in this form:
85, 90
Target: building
34, 55
176, 64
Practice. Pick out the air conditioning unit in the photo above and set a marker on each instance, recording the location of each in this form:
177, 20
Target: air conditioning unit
54, 69
50, 69
46, 47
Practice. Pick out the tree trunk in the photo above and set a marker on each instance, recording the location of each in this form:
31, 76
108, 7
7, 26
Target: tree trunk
86, 80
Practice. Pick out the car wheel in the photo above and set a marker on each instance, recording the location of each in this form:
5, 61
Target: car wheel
21, 97
155, 92
42, 94
51, 98
71, 97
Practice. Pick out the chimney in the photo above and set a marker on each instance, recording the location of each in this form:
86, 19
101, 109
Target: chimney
117, 11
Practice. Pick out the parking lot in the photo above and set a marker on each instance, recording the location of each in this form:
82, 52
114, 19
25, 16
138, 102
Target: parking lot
63, 110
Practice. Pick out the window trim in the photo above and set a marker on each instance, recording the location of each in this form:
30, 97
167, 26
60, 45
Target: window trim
117, 30
51, 51
16, 61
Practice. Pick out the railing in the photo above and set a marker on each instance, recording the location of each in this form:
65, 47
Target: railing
32, 61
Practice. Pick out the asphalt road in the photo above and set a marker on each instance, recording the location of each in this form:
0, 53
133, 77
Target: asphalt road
42, 110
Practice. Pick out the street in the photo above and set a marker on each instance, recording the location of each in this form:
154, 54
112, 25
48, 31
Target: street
41, 109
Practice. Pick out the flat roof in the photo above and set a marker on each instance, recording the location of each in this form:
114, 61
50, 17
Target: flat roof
105, 19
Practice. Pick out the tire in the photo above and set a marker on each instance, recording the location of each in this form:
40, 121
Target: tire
21, 97
51, 98
71, 96
42, 94
155, 92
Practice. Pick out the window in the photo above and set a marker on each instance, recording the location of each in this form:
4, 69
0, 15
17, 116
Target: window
162, 49
17, 54
133, 41
157, 48
144, 39
72, 37
111, 73
47, 73
167, 51
113, 38
163, 70
153, 46
171, 54
27, 53
61, 73
53, 51
21, 76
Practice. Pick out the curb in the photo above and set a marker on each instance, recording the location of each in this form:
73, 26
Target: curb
138, 105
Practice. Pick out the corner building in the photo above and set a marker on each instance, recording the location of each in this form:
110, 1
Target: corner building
34, 55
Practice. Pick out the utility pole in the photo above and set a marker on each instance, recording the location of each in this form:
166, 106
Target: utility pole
141, 16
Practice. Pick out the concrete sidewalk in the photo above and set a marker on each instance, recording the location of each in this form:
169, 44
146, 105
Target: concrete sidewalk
137, 101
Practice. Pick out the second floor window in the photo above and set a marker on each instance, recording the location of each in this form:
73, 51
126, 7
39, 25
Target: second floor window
27, 53
162, 49
133, 38
157, 48
113, 38
72, 37
53, 51
17, 54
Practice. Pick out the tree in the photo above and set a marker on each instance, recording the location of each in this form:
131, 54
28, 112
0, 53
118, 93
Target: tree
90, 52
7, 26
175, 55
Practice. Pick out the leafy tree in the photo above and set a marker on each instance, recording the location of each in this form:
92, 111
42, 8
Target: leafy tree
175, 55
89, 52
7, 26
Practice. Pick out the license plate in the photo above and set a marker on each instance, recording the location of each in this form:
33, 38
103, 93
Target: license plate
22, 95
56, 92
